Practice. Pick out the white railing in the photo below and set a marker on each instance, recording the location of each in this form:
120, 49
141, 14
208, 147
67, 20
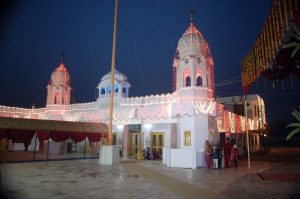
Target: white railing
181, 94
73, 107
146, 100
6, 111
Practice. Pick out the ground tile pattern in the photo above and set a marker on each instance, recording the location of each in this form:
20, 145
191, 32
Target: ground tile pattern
75, 179
143, 179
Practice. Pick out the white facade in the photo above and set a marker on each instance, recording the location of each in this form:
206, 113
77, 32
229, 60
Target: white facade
175, 125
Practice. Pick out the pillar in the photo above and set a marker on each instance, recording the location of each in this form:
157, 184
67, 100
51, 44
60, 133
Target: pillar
125, 142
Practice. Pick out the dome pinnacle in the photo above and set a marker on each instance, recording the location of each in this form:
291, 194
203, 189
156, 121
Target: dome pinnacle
191, 13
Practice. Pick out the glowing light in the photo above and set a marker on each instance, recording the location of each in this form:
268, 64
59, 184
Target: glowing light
204, 107
120, 127
122, 115
148, 126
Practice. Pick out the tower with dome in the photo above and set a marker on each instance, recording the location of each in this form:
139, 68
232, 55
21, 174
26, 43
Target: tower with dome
174, 126
59, 86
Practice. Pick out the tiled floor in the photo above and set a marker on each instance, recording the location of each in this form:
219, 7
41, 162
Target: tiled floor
139, 179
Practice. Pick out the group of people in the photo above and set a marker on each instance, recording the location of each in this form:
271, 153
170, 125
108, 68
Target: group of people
147, 154
220, 155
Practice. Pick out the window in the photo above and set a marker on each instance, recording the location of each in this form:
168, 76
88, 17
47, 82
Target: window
124, 90
187, 138
199, 81
102, 91
186, 78
108, 89
56, 99
116, 88
188, 81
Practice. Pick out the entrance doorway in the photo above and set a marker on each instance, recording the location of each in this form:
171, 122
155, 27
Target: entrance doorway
157, 143
135, 144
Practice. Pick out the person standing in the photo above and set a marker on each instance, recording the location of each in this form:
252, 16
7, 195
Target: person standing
215, 157
227, 152
235, 155
219, 148
207, 154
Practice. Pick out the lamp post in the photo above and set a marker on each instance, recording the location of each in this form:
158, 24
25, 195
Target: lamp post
113, 63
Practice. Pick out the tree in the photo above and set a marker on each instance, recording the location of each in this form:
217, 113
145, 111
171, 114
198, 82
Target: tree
296, 114
294, 44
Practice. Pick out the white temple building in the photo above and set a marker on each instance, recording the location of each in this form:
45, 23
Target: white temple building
174, 125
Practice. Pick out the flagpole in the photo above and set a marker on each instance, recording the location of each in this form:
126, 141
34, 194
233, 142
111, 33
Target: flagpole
247, 131
113, 63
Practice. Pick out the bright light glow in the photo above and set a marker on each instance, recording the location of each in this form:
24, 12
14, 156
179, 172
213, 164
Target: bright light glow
120, 127
148, 126
122, 115
204, 107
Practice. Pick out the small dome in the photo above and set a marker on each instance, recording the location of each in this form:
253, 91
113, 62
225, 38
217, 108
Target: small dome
192, 34
61, 76
119, 77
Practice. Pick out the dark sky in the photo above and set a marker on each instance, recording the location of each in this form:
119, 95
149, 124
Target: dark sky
33, 34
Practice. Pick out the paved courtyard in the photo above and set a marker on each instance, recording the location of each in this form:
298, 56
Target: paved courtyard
144, 179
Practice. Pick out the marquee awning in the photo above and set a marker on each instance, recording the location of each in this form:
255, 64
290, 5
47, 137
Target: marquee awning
23, 130
52, 125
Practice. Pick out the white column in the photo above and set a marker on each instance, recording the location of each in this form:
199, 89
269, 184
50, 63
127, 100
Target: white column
125, 142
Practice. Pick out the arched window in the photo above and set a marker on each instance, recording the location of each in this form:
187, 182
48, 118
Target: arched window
188, 81
124, 90
102, 91
199, 81
116, 88
56, 99
108, 89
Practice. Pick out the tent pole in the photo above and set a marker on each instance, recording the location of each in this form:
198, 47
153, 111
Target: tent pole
48, 146
84, 148
34, 146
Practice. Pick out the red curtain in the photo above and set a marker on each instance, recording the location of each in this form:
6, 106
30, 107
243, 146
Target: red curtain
42, 136
94, 137
77, 137
58, 136
24, 136
3, 133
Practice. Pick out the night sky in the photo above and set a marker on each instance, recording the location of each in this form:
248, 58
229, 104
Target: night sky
34, 33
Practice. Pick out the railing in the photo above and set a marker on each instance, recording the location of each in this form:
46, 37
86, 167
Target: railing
16, 112
181, 94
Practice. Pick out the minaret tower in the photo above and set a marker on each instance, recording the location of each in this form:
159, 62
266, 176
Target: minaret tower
193, 64
59, 88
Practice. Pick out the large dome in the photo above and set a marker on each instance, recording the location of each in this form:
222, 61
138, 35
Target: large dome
61, 76
191, 35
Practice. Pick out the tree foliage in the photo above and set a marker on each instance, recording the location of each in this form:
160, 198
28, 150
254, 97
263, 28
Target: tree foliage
296, 114
294, 44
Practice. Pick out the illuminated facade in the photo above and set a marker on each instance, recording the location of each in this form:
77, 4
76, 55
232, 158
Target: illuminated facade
59, 88
174, 125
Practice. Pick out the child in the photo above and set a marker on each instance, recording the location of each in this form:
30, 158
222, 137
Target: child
215, 157
235, 155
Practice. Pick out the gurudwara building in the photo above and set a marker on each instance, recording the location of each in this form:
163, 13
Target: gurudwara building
174, 125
